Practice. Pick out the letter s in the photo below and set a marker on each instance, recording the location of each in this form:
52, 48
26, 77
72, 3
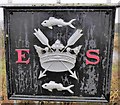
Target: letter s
92, 56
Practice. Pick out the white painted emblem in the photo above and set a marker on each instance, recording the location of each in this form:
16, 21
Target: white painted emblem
52, 21
57, 58
52, 85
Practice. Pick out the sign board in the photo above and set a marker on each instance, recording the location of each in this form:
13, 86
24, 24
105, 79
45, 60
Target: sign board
59, 53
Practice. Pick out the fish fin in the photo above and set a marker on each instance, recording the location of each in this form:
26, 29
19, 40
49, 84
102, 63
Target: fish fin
52, 82
72, 26
68, 88
59, 25
61, 20
50, 90
60, 85
51, 18
59, 89
50, 27
70, 23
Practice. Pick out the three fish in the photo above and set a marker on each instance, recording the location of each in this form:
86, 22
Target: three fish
52, 85
52, 21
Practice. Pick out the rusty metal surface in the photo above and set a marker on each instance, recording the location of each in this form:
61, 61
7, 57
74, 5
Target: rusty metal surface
94, 80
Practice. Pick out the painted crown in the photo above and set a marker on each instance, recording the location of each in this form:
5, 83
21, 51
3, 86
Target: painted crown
56, 58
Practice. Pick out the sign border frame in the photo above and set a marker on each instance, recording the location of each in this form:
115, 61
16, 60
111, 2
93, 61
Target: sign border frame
12, 95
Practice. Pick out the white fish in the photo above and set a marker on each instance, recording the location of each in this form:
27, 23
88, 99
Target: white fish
52, 85
52, 21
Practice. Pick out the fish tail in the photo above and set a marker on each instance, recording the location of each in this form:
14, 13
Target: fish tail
68, 88
70, 23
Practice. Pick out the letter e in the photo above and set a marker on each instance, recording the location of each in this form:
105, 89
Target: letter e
21, 56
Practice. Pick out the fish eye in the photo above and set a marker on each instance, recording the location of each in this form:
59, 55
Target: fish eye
45, 22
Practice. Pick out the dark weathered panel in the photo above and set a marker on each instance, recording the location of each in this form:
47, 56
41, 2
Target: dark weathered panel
93, 81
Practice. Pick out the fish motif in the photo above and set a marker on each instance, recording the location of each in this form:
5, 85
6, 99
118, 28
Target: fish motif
52, 85
52, 21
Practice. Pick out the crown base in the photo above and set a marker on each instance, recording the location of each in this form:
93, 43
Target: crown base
58, 62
